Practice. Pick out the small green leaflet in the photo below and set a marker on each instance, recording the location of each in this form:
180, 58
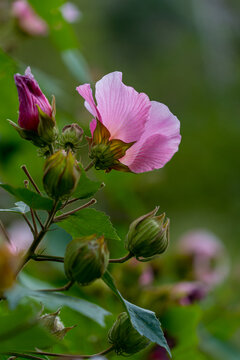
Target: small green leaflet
143, 320
55, 300
88, 222
32, 199
20, 207
86, 187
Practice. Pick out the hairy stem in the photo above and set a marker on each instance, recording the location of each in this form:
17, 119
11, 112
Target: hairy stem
29, 224
63, 216
34, 222
51, 149
90, 165
122, 259
62, 288
68, 202
39, 257
24, 168
39, 237
38, 219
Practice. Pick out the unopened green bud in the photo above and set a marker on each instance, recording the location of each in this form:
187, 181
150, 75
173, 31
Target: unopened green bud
86, 259
71, 137
61, 174
125, 339
54, 325
148, 235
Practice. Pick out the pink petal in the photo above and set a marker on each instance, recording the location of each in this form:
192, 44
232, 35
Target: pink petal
158, 143
28, 19
124, 111
93, 125
86, 92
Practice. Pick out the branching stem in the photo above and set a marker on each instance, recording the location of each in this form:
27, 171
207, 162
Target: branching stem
29, 224
38, 238
63, 216
38, 219
34, 222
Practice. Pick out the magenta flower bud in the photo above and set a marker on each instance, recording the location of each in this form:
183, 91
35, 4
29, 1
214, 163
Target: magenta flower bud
30, 97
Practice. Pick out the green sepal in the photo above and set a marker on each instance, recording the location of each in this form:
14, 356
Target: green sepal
28, 134
47, 130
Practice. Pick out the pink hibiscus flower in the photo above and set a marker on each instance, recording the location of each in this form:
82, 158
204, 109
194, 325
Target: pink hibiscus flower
129, 132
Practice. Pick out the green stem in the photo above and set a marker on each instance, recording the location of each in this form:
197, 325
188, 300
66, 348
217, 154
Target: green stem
38, 238
51, 149
121, 260
24, 168
69, 356
39, 257
62, 288
90, 165
63, 216
34, 222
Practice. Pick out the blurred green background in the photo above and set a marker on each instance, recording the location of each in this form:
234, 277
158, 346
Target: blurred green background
185, 54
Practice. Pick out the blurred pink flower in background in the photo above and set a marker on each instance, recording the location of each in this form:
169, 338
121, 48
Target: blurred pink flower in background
147, 276
209, 257
28, 20
186, 293
20, 236
70, 12
159, 353
130, 116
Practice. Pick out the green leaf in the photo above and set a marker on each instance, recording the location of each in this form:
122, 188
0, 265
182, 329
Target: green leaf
217, 349
181, 323
32, 199
143, 320
87, 222
21, 331
55, 300
21, 208
86, 187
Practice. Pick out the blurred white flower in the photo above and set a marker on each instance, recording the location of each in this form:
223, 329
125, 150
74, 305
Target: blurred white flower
70, 12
